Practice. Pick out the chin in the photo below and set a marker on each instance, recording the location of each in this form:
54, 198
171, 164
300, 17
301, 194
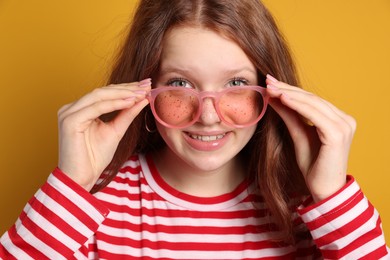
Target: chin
208, 162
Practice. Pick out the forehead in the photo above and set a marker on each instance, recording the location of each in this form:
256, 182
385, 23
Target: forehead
196, 47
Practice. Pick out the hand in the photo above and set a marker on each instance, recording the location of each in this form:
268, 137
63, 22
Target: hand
87, 144
322, 145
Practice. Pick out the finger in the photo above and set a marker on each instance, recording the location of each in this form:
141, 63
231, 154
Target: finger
301, 134
129, 86
320, 113
309, 106
108, 92
143, 83
347, 118
63, 108
318, 103
329, 127
335, 136
280, 84
81, 119
104, 94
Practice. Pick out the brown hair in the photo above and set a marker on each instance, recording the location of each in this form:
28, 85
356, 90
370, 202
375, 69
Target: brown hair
270, 152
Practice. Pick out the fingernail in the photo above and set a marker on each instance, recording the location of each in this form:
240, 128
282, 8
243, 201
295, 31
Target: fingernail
145, 83
272, 79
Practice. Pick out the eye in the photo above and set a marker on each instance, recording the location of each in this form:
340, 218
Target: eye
236, 82
179, 82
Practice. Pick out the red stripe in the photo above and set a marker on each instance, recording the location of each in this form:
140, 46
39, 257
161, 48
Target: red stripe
70, 206
41, 234
80, 191
310, 206
189, 246
376, 254
336, 212
130, 169
4, 254
346, 229
199, 200
180, 229
84, 251
112, 189
109, 255
58, 222
19, 242
142, 238
128, 181
169, 213
363, 239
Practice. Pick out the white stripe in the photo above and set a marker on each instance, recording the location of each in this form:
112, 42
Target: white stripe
119, 200
94, 255
340, 221
181, 254
189, 237
164, 205
366, 248
189, 205
130, 189
63, 213
13, 249
78, 200
131, 163
182, 221
332, 203
346, 240
32, 240
51, 229
127, 177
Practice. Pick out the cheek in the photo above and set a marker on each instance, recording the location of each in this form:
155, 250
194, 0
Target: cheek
170, 136
240, 111
175, 111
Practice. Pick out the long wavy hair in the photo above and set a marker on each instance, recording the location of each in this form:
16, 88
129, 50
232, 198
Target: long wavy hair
270, 152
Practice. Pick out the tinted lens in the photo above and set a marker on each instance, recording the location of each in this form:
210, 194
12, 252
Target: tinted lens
241, 107
176, 107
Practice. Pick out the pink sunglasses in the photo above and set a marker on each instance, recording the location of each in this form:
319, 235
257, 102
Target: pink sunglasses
180, 107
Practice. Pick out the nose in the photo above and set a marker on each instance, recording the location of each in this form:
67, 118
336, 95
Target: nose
208, 115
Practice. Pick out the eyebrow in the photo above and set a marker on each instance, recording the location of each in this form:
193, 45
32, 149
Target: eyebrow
225, 72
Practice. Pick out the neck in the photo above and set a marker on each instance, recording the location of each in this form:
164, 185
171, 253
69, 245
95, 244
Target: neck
195, 181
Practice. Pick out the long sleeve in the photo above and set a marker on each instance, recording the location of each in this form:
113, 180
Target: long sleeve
346, 225
63, 221
55, 224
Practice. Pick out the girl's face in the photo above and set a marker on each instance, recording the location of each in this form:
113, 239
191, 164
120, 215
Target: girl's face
204, 60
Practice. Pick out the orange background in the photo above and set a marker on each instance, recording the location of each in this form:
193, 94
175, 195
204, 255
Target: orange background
51, 53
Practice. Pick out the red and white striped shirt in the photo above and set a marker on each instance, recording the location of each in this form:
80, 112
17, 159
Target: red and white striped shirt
138, 215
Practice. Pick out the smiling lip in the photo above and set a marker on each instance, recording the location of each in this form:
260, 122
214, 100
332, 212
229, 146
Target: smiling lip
207, 138
206, 141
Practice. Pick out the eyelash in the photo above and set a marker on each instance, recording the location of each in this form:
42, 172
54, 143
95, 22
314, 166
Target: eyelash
173, 80
242, 80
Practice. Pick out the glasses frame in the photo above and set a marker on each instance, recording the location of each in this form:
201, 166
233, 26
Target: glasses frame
201, 95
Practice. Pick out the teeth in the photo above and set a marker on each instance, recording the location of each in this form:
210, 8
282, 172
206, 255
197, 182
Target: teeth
207, 138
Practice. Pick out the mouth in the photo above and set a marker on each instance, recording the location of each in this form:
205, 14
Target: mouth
207, 141
206, 138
